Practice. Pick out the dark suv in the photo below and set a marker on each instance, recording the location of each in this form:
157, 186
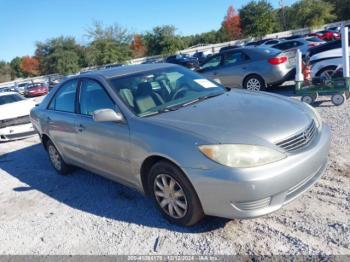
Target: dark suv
184, 60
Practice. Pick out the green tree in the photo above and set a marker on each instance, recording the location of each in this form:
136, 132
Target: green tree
109, 44
257, 18
16, 67
341, 8
163, 40
60, 55
312, 13
5, 71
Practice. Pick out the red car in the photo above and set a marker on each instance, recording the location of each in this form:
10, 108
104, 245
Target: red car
327, 35
36, 89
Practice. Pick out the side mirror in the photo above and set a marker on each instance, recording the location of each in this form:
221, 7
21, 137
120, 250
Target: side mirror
107, 115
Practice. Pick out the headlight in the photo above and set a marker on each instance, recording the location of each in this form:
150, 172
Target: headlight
318, 119
238, 155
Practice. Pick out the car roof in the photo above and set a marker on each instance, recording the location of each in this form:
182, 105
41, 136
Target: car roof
127, 70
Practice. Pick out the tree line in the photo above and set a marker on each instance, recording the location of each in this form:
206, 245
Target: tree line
116, 44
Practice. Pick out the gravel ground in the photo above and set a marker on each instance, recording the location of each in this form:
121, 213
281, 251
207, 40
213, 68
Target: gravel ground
44, 213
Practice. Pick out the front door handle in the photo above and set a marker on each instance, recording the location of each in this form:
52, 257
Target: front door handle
215, 73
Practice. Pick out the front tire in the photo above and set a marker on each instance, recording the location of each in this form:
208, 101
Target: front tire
56, 159
174, 194
254, 83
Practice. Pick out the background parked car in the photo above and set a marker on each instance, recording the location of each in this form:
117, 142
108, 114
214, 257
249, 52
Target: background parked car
184, 60
229, 47
303, 44
36, 89
14, 116
327, 35
250, 68
201, 56
21, 87
271, 42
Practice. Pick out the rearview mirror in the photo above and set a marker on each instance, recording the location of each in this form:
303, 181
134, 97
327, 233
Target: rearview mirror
107, 115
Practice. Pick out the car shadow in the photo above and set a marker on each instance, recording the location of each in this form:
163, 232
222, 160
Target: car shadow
90, 193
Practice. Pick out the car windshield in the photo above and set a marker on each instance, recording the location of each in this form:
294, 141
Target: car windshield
6, 99
162, 90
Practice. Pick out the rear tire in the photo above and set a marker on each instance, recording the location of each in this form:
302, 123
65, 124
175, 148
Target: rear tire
56, 159
174, 194
254, 83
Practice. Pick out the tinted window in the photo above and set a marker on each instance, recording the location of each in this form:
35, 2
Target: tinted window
64, 99
272, 42
313, 39
6, 99
288, 45
212, 62
93, 97
233, 58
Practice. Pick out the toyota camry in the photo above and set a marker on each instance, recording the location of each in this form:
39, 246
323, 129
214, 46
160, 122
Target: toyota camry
196, 148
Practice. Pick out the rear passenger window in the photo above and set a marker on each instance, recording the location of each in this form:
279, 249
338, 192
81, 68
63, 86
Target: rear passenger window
64, 99
234, 58
94, 97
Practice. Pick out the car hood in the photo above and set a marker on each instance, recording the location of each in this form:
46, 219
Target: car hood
16, 109
239, 116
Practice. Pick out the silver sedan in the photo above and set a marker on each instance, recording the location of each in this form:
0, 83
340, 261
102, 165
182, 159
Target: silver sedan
252, 68
194, 147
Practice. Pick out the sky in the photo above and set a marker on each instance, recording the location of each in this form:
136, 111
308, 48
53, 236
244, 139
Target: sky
24, 22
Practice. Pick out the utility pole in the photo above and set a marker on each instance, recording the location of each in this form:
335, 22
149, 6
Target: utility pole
282, 6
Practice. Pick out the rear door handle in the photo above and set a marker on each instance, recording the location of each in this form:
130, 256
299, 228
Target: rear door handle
81, 128
215, 73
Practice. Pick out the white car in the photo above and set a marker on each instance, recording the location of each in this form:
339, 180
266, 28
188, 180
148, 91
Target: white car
14, 116
323, 64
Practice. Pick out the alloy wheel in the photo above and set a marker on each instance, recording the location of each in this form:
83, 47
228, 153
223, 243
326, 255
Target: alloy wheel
253, 84
327, 74
55, 157
170, 196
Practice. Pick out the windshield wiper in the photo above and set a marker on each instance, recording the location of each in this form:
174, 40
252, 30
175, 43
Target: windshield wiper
178, 106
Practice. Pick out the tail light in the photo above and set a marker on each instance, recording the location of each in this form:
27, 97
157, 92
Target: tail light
278, 60
313, 44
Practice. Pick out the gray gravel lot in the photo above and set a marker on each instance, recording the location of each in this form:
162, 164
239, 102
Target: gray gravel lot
44, 213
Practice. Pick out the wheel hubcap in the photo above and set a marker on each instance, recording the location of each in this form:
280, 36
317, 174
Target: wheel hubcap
55, 157
253, 84
307, 99
338, 99
170, 196
327, 75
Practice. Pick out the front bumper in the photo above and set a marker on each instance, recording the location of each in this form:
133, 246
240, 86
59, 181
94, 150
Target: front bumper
252, 192
16, 132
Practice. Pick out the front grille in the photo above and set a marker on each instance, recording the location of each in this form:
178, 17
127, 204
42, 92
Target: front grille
300, 140
253, 205
15, 121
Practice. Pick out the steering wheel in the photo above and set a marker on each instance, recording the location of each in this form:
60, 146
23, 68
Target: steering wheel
181, 91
